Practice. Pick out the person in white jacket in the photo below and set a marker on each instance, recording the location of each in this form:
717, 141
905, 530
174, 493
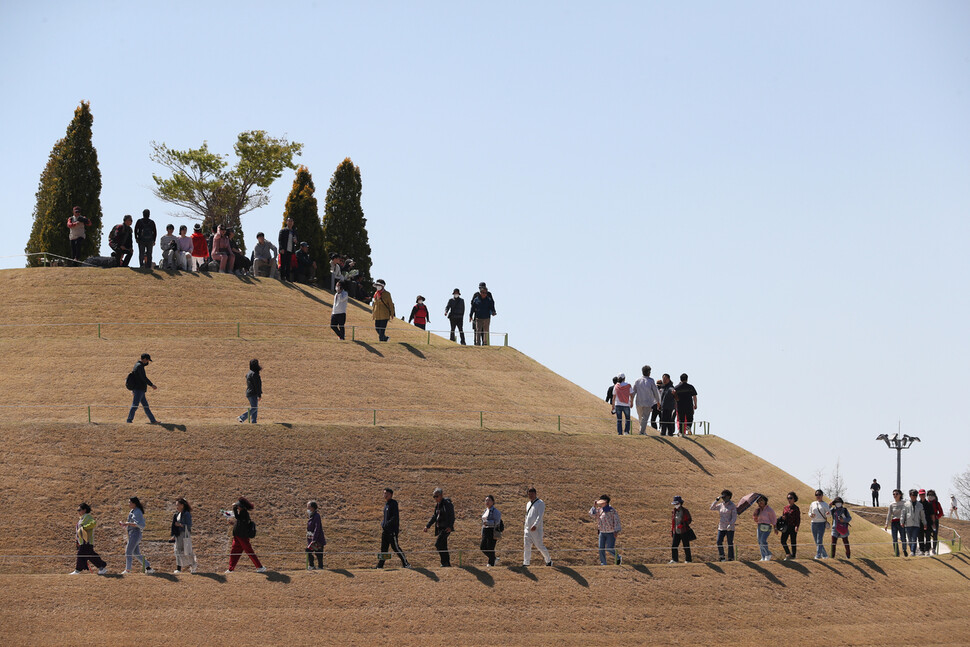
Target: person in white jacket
647, 398
534, 511
819, 512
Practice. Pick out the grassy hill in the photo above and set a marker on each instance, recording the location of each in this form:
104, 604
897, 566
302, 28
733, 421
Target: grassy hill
317, 439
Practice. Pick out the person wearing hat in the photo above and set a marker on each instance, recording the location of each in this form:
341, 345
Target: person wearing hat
455, 311
913, 518
383, 309
840, 525
765, 518
306, 267
680, 530
138, 384
200, 248
482, 311
419, 313
621, 404
608, 523
443, 520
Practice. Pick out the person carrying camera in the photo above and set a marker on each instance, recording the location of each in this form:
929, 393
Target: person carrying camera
75, 225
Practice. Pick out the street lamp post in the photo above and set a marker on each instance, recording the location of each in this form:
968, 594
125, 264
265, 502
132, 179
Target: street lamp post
899, 443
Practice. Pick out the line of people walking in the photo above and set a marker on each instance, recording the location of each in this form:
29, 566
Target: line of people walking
661, 399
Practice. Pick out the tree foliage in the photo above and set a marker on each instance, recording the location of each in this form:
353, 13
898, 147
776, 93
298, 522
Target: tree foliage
203, 185
961, 483
837, 482
344, 224
70, 179
301, 206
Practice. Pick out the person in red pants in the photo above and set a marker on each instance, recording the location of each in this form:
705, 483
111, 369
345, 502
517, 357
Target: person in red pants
243, 529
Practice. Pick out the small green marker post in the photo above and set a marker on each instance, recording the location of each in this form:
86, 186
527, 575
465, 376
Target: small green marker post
506, 340
353, 332
99, 331
429, 338
375, 417
559, 422
237, 329
89, 414
481, 419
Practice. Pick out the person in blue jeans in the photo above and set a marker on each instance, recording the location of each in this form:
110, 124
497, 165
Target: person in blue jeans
608, 523
138, 383
765, 518
727, 519
622, 401
254, 391
135, 525
819, 512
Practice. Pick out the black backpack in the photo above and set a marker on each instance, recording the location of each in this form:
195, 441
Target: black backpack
130, 381
252, 529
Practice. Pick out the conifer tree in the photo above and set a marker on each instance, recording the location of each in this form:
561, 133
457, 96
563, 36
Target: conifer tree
301, 206
70, 179
344, 224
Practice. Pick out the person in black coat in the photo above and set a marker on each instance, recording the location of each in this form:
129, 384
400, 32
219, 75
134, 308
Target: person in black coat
289, 245
254, 391
455, 311
443, 521
390, 526
138, 384
145, 235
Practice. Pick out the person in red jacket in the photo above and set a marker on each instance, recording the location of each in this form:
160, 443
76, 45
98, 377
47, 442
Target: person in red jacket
680, 530
419, 313
200, 249
934, 521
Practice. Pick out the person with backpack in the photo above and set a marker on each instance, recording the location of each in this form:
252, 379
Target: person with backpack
84, 540
419, 313
492, 529
243, 529
482, 311
119, 240
383, 310
75, 225
443, 520
455, 311
135, 524
315, 537
145, 235
138, 383
254, 391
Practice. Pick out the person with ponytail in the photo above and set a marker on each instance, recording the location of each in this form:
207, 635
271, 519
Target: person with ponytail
135, 523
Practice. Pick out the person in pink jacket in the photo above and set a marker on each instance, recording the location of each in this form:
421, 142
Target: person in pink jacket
765, 518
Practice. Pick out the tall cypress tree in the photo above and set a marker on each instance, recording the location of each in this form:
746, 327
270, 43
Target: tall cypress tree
301, 206
70, 179
344, 224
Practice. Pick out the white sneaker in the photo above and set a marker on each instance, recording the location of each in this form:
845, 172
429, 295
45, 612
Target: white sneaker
102, 571
75, 572
310, 568
177, 571
194, 569
227, 572
261, 569
768, 558
672, 561
125, 572
149, 571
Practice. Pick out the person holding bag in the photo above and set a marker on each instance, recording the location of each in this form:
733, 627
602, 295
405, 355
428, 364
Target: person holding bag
316, 540
182, 534
766, 518
492, 528
680, 530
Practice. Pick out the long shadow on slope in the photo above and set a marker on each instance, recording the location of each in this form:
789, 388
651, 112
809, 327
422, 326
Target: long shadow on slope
480, 575
294, 286
714, 567
524, 570
369, 348
342, 571
275, 576
952, 568
768, 574
795, 566
858, 568
961, 558
579, 578
170, 426
641, 568
874, 566
215, 577
168, 577
414, 351
683, 452
701, 445
831, 568
428, 574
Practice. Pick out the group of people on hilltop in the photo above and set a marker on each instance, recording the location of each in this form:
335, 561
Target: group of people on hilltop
671, 404
916, 523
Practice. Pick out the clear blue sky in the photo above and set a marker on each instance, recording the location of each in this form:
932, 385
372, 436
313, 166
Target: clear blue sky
771, 198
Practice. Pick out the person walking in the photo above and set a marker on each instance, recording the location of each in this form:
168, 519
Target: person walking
338, 314
791, 515
840, 525
254, 391
727, 519
934, 521
913, 518
84, 542
608, 524
621, 404
765, 518
953, 507
894, 519
383, 309
647, 398
135, 523
443, 520
924, 529
119, 241
138, 383
243, 529
419, 313
182, 534
492, 528
875, 487
289, 245
668, 406
390, 527
455, 311
535, 510
315, 537
686, 396
482, 311
680, 530
145, 235
200, 248
75, 228
819, 513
